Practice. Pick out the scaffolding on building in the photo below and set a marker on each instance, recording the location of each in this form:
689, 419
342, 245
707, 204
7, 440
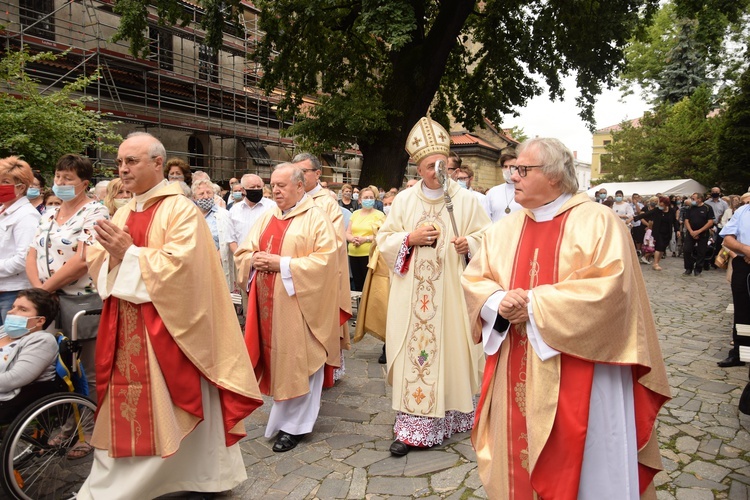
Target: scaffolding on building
206, 101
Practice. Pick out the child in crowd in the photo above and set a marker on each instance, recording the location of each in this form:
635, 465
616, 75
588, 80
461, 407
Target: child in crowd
647, 249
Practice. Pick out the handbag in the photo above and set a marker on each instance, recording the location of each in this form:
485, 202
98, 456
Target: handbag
722, 258
70, 305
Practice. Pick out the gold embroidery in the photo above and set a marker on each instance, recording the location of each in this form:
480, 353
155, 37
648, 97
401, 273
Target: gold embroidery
520, 390
534, 271
419, 395
129, 344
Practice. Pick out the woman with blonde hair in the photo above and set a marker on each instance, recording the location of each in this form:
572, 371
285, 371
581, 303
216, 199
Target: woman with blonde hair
18, 222
360, 234
117, 196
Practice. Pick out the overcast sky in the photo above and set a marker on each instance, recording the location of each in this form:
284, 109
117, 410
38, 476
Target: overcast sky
559, 119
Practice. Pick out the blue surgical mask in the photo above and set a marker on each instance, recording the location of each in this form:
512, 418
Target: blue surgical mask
237, 196
694, 203
602, 196
463, 184
618, 199
32, 192
368, 203
15, 326
65, 193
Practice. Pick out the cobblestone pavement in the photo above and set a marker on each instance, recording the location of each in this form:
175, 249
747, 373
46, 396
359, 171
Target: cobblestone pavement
704, 440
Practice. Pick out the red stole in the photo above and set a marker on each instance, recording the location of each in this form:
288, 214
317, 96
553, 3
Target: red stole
558, 468
122, 366
259, 321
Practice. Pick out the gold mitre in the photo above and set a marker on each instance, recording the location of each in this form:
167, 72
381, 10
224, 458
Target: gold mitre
427, 138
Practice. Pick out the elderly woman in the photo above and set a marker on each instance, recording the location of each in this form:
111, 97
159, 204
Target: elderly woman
18, 221
347, 201
56, 260
27, 353
117, 196
218, 221
177, 169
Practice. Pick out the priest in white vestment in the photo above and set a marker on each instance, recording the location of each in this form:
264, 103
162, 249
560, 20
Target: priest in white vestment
174, 378
433, 364
575, 377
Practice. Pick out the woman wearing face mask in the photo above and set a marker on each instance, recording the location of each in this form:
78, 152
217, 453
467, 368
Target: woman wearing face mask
360, 233
27, 353
35, 194
663, 223
346, 200
116, 197
56, 261
218, 221
18, 222
176, 170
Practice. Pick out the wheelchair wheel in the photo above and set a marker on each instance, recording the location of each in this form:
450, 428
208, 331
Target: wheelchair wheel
35, 464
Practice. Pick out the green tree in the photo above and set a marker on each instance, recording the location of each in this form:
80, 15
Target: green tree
733, 140
672, 142
685, 69
42, 127
376, 66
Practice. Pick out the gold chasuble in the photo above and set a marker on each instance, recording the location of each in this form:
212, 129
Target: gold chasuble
152, 356
322, 198
589, 303
373, 308
433, 364
290, 337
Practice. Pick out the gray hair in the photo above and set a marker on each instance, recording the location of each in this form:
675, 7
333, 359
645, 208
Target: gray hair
557, 161
199, 183
186, 189
247, 177
156, 148
308, 156
297, 174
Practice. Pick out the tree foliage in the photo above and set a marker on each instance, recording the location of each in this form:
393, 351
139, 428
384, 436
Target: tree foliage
672, 142
733, 140
41, 127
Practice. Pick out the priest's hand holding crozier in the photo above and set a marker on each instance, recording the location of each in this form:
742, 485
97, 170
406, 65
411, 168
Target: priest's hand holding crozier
461, 244
514, 306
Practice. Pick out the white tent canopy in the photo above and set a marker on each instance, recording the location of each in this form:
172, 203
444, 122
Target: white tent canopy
682, 187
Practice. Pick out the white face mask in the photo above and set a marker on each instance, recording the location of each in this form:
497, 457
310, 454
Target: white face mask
355, 196
120, 202
386, 209
506, 175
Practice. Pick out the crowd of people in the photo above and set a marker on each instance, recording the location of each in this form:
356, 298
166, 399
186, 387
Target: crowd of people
498, 316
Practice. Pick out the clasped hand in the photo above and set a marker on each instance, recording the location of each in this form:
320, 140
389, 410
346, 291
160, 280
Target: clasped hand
267, 262
514, 306
115, 241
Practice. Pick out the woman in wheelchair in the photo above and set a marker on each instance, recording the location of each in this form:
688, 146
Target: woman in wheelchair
28, 353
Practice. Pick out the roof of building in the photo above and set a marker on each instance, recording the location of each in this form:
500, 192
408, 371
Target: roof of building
465, 139
636, 122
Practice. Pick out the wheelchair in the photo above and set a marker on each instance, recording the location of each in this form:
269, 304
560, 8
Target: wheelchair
34, 454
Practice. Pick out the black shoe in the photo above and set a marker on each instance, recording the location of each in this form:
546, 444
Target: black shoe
399, 449
698, 272
285, 442
687, 272
731, 360
382, 359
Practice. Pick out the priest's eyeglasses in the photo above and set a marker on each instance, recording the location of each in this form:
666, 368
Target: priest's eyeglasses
129, 161
522, 169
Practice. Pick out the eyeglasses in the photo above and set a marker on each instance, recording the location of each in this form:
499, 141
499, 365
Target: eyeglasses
452, 169
522, 169
306, 170
462, 178
129, 161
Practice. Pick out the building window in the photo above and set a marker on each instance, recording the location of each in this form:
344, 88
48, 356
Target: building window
160, 46
607, 143
197, 157
37, 18
208, 66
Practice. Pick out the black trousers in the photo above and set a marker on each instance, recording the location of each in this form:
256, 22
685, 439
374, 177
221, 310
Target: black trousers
699, 246
741, 299
358, 265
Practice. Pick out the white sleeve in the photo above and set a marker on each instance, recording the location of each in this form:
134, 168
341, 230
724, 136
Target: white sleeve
126, 286
491, 338
286, 275
541, 349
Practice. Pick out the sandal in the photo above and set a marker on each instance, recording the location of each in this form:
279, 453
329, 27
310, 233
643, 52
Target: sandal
57, 440
657, 268
80, 450
285, 442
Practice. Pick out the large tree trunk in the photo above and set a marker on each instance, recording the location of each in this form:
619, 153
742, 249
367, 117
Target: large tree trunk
417, 70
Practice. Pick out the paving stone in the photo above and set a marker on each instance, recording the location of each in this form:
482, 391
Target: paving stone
391, 466
425, 462
333, 488
405, 486
687, 480
313, 472
344, 413
687, 444
693, 494
450, 479
358, 486
364, 458
346, 441
738, 491
303, 489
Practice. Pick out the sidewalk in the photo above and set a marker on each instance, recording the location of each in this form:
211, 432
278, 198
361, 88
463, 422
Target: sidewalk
704, 439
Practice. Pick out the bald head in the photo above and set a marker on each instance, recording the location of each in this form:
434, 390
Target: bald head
140, 160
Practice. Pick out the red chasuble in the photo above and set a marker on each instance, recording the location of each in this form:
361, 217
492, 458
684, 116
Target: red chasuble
122, 366
259, 321
558, 469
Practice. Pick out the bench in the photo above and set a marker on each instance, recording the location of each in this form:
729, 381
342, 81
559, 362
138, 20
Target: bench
744, 331
730, 309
